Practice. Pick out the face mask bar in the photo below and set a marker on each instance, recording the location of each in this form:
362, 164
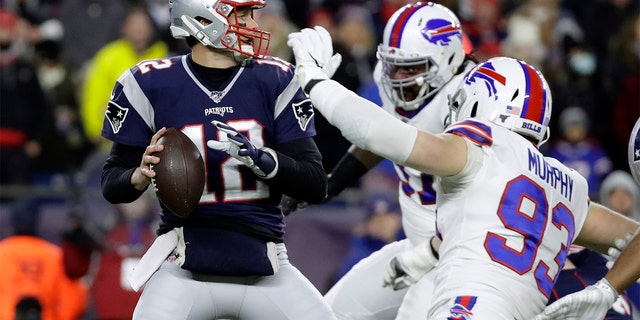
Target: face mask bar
394, 88
232, 38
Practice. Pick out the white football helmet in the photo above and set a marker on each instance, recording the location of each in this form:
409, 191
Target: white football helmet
220, 32
508, 92
420, 33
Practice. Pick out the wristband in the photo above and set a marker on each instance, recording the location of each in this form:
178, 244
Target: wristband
307, 88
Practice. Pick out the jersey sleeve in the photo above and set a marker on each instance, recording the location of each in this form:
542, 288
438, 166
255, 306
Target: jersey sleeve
294, 113
125, 121
475, 131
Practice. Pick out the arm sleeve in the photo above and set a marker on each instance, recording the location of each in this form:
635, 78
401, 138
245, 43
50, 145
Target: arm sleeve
346, 171
300, 173
364, 123
116, 173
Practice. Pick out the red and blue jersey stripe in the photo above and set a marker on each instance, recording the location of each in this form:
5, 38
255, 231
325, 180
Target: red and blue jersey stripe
478, 132
462, 308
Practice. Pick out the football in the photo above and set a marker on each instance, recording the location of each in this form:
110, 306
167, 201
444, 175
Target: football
179, 180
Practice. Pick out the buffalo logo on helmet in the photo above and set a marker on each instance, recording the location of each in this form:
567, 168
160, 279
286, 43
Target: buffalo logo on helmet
440, 31
487, 73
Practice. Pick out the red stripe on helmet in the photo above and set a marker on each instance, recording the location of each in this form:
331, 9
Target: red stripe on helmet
535, 101
398, 27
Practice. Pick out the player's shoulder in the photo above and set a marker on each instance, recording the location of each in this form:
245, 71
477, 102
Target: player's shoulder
272, 66
154, 73
477, 131
272, 73
153, 67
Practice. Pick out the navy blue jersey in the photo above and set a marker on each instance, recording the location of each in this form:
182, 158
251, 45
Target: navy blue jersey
590, 267
261, 99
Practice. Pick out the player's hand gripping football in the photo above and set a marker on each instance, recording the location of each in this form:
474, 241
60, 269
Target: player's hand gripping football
263, 161
313, 51
589, 303
410, 266
141, 177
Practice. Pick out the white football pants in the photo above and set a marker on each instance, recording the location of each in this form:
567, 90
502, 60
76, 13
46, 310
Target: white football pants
359, 295
173, 293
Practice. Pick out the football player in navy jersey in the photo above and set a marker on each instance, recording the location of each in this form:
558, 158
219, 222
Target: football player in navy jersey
254, 126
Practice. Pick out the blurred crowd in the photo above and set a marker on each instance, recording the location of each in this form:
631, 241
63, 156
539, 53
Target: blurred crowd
59, 60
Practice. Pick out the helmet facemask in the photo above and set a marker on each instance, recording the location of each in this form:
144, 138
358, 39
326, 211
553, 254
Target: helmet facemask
410, 91
246, 42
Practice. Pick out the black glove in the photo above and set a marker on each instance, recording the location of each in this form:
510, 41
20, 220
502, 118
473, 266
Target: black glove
289, 204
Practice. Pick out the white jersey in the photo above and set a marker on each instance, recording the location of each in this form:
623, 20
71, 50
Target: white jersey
358, 294
416, 194
510, 216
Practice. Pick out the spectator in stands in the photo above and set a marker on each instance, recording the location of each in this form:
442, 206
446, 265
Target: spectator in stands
274, 19
578, 149
622, 83
138, 42
482, 21
24, 113
33, 271
621, 193
528, 33
90, 23
580, 83
66, 146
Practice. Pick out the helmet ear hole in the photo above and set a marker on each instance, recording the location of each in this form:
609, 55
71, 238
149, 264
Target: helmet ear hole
515, 94
474, 109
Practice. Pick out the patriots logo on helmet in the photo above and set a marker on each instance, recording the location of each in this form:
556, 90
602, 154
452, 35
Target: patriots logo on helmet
440, 31
116, 116
636, 148
303, 112
488, 74
633, 153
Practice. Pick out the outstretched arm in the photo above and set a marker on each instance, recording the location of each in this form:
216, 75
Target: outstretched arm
351, 167
364, 123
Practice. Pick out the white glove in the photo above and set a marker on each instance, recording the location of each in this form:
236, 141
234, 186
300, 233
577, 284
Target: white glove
313, 51
410, 266
263, 161
589, 303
